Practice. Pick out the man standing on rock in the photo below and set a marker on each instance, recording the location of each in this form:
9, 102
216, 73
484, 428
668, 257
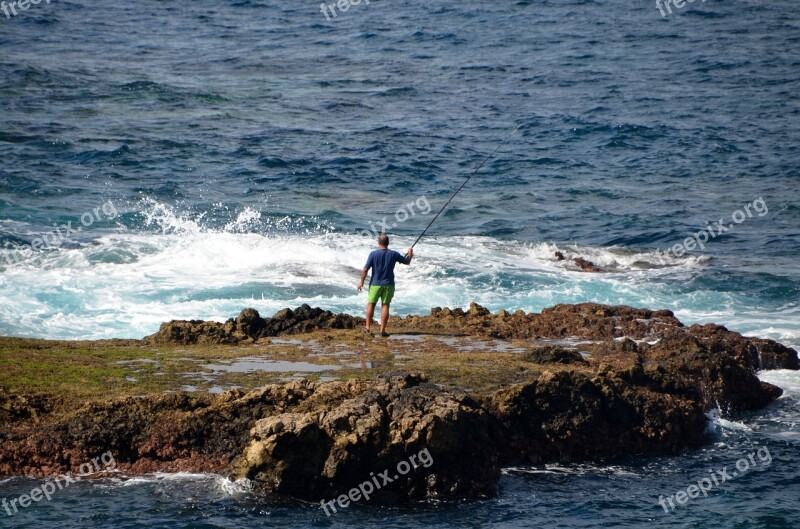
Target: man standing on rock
381, 284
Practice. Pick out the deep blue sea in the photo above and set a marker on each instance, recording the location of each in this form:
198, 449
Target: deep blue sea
164, 159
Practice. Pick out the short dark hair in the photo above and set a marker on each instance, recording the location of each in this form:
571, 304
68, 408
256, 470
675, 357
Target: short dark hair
383, 239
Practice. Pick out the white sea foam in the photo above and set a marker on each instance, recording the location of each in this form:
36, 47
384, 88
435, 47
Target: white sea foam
717, 424
159, 477
786, 379
577, 470
782, 420
124, 284
234, 487
221, 484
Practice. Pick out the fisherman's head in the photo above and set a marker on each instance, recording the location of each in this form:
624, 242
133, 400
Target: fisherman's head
383, 240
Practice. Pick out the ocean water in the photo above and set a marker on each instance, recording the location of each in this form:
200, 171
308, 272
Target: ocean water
189, 159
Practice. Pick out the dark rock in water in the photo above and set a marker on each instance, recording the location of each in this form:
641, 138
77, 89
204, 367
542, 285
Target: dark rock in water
249, 326
569, 416
553, 354
304, 439
772, 355
712, 369
586, 266
325, 453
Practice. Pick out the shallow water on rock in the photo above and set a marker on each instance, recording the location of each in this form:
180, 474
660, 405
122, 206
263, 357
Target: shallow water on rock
251, 364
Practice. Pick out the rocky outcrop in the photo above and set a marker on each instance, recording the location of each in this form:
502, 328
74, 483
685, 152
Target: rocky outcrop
755, 352
583, 264
773, 355
588, 321
644, 389
717, 371
586, 266
572, 416
325, 453
172, 432
305, 439
554, 354
249, 326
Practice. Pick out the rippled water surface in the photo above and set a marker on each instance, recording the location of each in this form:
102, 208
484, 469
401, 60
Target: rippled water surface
217, 155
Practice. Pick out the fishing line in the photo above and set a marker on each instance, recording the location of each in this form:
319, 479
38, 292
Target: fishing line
486, 159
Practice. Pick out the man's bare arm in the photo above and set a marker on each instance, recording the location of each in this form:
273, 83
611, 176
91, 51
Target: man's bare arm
363, 278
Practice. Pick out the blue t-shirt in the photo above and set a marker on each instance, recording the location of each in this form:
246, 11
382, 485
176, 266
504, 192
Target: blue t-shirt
382, 263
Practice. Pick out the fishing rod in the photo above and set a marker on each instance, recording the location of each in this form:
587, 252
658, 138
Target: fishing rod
463, 184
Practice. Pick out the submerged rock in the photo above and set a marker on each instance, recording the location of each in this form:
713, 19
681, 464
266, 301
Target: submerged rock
583, 264
586, 266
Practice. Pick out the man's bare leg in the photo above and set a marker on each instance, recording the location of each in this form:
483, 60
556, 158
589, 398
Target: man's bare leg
370, 313
384, 316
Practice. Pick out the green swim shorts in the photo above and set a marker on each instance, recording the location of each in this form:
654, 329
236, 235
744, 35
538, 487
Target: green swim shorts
384, 293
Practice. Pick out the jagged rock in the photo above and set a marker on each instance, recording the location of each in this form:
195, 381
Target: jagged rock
249, 326
773, 355
589, 321
567, 415
553, 354
586, 266
477, 311
250, 323
714, 370
592, 321
322, 454
307, 319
